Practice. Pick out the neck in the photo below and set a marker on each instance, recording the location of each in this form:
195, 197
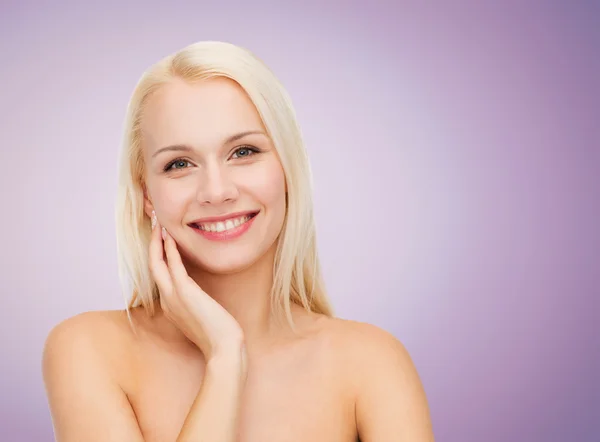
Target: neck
246, 296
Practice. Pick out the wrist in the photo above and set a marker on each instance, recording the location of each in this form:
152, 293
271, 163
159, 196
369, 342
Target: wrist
231, 359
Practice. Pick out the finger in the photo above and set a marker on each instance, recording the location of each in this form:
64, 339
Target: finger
157, 264
175, 265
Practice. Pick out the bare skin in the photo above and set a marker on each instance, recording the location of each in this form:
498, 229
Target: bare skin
213, 364
337, 379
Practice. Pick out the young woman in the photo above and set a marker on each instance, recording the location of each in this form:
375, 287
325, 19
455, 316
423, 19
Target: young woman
229, 335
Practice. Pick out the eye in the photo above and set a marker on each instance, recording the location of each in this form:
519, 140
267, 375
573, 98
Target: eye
245, 151
179, 163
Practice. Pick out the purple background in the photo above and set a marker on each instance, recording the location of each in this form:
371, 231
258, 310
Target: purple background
455, 150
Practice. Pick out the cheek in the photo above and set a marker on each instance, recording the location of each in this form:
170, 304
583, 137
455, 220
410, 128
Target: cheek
171, 196
268, 185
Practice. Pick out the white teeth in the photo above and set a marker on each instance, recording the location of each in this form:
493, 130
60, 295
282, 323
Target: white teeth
223, 226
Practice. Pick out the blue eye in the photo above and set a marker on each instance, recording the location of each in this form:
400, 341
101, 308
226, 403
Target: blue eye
245, 151
176, 162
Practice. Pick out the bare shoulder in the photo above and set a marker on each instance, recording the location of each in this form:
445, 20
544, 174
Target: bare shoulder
366, 344
92, 321
390, 401
360, 350
95, 333
82, 365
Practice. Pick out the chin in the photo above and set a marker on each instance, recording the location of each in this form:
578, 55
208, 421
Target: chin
227, 259
227, 263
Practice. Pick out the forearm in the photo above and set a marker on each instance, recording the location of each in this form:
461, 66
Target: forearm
214, 414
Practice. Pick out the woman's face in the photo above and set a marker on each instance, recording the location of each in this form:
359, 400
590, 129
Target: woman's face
212, 174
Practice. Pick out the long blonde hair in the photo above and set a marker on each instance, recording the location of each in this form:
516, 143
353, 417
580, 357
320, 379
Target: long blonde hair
297, 274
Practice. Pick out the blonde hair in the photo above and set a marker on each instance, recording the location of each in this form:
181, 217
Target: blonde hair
297, 274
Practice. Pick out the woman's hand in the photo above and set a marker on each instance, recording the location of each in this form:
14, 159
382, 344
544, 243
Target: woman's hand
202, 319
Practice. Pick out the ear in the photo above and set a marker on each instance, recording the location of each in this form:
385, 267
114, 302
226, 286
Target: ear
148, 206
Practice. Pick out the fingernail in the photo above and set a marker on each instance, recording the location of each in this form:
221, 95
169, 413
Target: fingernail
153, 220
164, 233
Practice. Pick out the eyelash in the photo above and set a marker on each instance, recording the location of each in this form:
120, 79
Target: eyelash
252, 149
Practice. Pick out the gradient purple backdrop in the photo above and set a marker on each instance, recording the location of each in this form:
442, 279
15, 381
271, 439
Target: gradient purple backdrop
455, 151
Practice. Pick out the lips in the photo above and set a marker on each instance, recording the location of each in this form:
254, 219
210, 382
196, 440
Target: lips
227, 230
224, 218
223, 223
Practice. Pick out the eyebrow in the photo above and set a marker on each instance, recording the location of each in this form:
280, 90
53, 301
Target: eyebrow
187, 148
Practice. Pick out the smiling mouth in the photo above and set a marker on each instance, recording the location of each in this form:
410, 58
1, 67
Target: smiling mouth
224, 226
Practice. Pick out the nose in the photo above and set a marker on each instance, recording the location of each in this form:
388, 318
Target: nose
216, 186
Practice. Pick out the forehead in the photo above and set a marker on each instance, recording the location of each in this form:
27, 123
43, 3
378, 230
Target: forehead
200, 113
